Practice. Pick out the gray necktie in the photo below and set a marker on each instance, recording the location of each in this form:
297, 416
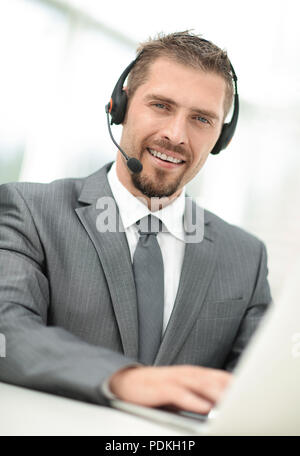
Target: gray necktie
148, 272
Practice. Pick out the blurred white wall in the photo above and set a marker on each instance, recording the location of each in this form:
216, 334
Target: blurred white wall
61, 58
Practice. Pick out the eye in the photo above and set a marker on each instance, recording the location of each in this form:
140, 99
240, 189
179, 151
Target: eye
159, 105
202, 119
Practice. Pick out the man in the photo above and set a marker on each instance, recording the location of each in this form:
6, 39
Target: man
72, 297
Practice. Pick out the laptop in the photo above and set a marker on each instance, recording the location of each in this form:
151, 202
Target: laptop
264, 398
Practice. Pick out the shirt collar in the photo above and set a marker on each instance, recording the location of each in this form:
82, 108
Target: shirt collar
132, 209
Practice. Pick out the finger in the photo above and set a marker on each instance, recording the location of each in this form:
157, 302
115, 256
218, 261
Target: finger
209, 384
209, 390
184, 399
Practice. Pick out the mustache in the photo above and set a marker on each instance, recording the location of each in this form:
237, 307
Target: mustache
167, 145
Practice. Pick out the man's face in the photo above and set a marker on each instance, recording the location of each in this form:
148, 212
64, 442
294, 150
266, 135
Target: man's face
176, 115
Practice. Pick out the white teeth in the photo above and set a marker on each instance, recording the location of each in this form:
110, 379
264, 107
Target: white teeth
164, 156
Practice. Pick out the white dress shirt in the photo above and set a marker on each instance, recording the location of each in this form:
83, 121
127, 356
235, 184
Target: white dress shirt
171, 243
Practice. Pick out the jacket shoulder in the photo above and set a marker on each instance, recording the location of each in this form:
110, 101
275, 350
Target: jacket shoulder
232, 235
32, 192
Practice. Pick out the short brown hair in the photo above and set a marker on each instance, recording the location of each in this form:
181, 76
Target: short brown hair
188, 49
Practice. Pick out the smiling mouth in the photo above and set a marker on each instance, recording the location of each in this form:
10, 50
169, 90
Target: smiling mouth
164, 157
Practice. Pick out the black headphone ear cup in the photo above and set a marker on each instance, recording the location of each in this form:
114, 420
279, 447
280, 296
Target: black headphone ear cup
118, 102
228, 128
224, 139
118, 109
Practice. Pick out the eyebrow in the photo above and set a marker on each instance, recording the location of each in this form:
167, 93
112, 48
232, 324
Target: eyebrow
203, 112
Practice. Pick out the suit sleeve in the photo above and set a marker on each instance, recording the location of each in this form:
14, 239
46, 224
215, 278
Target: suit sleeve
39, 356
259, 303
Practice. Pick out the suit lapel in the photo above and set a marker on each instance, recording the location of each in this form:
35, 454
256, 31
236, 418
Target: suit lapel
197, 272
114, 255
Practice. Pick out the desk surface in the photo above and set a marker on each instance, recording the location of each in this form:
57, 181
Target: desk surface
28, 412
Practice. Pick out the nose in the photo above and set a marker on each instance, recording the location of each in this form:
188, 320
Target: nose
174, 129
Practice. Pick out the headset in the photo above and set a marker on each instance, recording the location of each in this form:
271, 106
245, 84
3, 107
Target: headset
116, 109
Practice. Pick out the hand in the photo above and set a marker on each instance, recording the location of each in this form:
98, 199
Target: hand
192, 388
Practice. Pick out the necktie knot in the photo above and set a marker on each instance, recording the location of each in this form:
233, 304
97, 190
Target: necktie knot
149, 225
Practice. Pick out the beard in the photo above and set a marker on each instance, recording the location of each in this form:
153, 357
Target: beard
155, 188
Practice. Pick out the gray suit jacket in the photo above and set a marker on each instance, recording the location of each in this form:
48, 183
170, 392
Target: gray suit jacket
68, 304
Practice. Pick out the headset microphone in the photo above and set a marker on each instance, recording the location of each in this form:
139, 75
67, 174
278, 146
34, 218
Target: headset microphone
133, 163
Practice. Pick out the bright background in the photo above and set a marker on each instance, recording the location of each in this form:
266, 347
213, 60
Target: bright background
61, 58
